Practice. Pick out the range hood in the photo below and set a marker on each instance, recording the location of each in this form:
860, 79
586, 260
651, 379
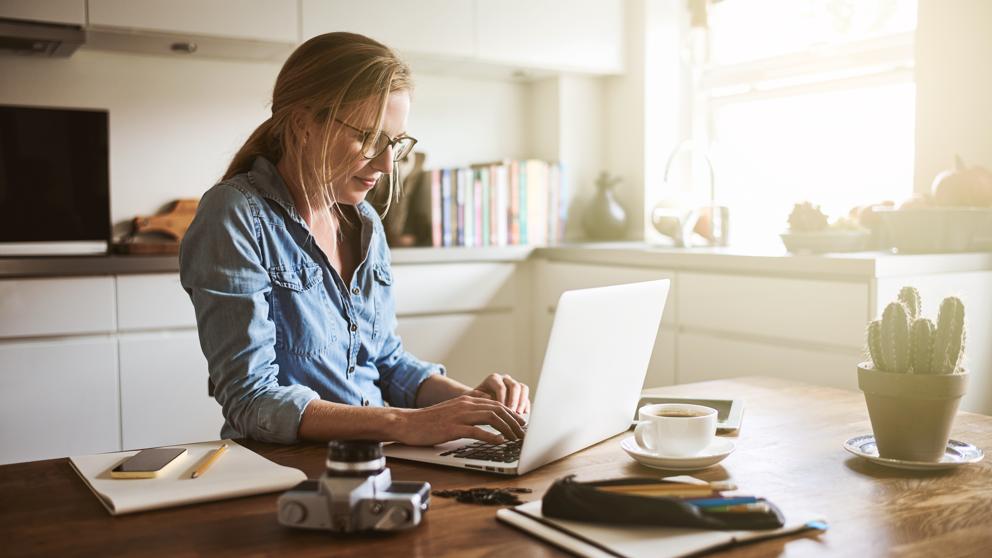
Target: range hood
39, 39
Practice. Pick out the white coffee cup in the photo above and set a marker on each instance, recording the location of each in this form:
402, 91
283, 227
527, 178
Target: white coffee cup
675, 429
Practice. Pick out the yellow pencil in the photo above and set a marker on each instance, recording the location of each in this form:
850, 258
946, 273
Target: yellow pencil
210, 460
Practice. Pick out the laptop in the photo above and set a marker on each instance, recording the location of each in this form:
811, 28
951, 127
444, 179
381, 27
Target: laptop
594, 367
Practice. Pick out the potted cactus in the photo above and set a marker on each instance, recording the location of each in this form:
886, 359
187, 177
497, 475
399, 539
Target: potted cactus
915, 380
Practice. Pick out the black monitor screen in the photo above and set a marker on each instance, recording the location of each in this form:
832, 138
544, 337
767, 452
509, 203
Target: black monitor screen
54, 175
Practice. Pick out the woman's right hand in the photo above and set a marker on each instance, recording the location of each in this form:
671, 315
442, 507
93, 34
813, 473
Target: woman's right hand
456, 418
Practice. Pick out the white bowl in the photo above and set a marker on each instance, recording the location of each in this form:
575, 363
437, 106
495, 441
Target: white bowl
937, 229
819, 242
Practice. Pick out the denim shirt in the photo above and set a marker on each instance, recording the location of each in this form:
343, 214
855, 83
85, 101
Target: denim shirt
277, 324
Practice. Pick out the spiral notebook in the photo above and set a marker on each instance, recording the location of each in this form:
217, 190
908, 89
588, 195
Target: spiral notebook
594, 540
239, 472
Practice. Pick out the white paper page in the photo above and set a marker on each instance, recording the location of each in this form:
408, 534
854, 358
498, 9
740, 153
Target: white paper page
238, 472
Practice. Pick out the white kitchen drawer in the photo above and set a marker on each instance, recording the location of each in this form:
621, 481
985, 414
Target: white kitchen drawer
705, 357
153, 301
39, 307
826, 312
164, 397
58, 398
471, 346
260, 20
558, 277
462, 287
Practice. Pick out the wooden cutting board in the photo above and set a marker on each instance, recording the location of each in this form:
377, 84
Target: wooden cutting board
160, 234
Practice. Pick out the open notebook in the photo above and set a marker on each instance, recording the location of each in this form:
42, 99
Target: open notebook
597, 540
239, 472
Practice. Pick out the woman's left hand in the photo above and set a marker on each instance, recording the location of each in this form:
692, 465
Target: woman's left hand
506, 390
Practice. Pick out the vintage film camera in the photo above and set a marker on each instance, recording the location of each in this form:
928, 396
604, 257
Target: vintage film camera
355, 493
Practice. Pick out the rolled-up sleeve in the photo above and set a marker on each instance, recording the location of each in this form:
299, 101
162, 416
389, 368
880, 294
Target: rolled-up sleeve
402, 373
221, 270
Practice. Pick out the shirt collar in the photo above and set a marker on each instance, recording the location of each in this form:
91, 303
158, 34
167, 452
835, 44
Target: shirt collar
269, 183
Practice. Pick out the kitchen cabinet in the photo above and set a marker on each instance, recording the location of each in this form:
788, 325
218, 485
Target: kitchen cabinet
704, 357
257, 20
63, 306
830, 313
153, 301
582, 35
164, 397
64, 12
58, 398
438, 27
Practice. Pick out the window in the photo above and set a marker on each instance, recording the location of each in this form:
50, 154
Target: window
805, 100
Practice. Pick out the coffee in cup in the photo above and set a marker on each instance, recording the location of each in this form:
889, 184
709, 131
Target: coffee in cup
675, 429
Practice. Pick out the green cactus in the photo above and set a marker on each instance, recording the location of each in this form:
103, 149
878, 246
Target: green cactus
910, 297
921, 335
895, 338
948, 343
898, 342
875, 344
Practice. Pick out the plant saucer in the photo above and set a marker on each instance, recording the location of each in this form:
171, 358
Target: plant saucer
956, 454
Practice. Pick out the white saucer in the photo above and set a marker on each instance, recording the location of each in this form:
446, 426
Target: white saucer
956, 454
714, 453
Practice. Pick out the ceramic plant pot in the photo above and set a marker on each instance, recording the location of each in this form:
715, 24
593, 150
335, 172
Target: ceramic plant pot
911, 414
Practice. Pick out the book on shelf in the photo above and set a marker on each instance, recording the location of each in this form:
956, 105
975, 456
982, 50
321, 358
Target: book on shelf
500, 203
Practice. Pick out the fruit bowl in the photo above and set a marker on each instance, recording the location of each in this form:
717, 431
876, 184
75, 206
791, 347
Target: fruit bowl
819, 242
938, 229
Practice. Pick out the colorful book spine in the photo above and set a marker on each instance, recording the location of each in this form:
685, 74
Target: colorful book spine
485, 194
436, 239
446, 233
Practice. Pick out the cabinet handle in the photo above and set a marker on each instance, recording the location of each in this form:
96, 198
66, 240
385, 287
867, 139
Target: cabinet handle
184, 47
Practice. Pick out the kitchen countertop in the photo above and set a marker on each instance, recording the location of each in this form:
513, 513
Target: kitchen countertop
770, 261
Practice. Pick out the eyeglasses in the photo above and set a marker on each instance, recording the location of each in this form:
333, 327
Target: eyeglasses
372, 147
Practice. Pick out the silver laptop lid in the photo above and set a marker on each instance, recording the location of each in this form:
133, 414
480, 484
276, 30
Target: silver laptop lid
594, 368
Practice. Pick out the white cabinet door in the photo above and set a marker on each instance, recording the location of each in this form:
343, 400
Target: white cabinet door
710, 357
579, 35
260, 20
455, 287
37, 307
470, 346
153, 301
164, 391
72, 12
829, 313
58, 398
558, 277
438, 27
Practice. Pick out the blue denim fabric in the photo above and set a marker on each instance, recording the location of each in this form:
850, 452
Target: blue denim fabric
277, 324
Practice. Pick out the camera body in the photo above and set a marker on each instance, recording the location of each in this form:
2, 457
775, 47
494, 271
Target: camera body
355, 493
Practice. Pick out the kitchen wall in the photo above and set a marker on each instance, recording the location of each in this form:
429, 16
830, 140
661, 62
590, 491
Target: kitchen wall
954, 86
175, 123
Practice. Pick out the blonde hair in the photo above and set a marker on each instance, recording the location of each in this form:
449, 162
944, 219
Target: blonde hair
324, 75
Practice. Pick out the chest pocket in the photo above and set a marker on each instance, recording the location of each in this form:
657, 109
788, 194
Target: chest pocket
383, 299
301, 309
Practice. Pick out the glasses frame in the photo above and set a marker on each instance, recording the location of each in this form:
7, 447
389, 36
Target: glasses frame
391, 143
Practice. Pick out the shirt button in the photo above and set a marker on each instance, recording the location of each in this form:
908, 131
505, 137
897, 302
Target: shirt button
365, 402
354, 327
351, 369
355, 291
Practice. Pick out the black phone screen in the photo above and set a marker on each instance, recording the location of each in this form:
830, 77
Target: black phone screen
149, 460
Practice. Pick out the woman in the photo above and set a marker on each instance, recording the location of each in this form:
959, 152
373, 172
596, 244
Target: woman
289, 272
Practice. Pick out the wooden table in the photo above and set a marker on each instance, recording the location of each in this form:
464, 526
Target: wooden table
789, 450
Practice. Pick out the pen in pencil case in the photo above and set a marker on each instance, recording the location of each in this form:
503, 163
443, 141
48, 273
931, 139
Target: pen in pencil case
756, 507
721, 502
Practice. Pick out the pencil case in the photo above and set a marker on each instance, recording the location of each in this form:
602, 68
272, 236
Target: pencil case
578, 501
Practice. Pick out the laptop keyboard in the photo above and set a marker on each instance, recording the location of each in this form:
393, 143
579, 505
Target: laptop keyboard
507, 452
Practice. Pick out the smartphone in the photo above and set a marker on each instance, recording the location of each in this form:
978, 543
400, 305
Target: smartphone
147, 463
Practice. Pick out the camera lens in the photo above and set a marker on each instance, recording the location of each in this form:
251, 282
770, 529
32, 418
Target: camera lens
354, 458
